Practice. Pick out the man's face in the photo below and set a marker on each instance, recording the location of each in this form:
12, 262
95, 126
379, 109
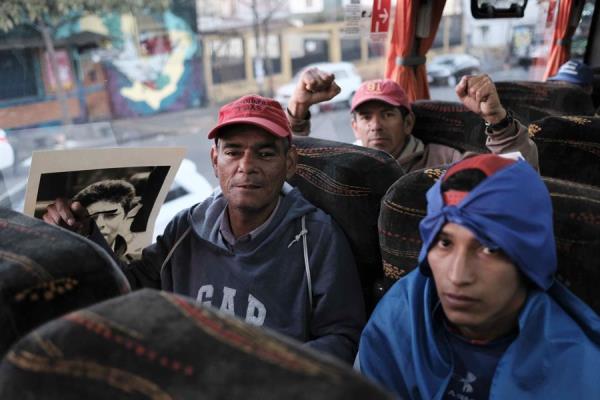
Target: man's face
480, 289
108, 216
252, 166
381, 126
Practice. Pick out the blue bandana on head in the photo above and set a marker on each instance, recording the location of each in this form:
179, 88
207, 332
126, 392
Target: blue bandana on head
510, 210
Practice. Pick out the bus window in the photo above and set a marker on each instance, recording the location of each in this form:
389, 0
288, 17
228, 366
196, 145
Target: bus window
156, 76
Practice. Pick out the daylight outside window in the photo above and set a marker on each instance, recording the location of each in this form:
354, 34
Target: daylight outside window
120, 74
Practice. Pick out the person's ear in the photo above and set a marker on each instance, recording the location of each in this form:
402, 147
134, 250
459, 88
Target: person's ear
354, 127
409, 123
291, 161
214, 157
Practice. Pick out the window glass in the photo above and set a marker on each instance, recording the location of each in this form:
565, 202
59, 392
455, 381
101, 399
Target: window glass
227, 60
158, 77
17, 74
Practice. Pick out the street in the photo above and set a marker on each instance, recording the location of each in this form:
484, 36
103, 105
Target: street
186, 128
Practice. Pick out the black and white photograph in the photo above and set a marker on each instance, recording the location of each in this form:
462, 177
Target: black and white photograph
121, 198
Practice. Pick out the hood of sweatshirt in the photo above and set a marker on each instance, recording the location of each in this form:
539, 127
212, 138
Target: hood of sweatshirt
205, 218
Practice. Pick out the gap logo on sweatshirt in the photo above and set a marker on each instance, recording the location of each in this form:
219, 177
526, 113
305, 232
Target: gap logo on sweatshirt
256, 312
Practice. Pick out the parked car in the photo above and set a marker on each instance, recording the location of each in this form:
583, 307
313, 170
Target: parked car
188, 188
447, 69
7, 154
346, 76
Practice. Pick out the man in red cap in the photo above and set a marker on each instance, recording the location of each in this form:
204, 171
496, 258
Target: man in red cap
382, 118
256, 248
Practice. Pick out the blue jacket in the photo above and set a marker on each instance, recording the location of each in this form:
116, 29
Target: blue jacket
263, 280
556, 354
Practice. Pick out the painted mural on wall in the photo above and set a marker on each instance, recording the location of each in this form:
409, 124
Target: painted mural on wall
148, 71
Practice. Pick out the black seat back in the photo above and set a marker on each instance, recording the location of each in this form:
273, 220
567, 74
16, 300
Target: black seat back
156, 345
348, 182
577, 232
45, 272
530, 101
576, 227
450, 124
402, 208
596, 88
569, 148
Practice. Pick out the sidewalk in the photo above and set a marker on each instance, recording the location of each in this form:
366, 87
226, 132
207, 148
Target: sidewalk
171, 123
111, 133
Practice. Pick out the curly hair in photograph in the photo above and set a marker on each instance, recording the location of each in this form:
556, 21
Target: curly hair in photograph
112, 190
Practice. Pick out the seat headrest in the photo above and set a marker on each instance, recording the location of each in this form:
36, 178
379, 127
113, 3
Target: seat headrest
569, 148
157, 345
530, 101
450, 124
348, 182
46, 272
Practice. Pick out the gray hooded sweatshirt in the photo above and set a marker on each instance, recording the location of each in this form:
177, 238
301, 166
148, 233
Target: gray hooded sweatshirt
264, 280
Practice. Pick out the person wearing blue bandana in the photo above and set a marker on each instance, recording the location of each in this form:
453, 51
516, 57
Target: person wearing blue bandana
482, 316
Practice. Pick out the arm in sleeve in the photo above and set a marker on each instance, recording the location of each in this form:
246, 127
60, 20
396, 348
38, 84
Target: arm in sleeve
515, 137
145, 272
338, 311
299, 126
376, 355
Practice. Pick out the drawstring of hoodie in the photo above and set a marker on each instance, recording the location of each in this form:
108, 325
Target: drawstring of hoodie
302, 234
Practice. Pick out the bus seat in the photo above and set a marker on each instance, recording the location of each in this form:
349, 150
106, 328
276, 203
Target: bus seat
577, 233
576, 227
531, 101
348, 182
402, 208
596, 88
156, 345
45, 272
569, 147
450, 124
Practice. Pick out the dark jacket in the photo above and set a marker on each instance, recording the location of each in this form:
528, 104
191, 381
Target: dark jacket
263, 280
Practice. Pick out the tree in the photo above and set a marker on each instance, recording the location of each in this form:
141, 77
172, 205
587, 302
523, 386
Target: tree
46, 16
262, 13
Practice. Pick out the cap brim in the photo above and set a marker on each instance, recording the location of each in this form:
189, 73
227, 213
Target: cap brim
266, 124
385, 99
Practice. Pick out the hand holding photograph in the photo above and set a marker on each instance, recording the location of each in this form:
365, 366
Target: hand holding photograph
122, 189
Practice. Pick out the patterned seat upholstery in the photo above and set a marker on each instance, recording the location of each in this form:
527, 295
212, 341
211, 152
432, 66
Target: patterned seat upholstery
596, 88
450, 124
348, 182
569, 147
576, 227
157, 345
46, 272
577, 232
531, 101
402, 208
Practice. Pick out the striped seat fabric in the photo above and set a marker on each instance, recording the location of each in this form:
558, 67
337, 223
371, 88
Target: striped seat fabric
576, 227
156, 345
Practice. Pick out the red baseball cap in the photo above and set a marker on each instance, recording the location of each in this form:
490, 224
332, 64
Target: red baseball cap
254, 110
384, 90
489, 164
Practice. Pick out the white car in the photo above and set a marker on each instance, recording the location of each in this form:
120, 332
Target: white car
7, 154
447, 69
189, 188
346, 76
